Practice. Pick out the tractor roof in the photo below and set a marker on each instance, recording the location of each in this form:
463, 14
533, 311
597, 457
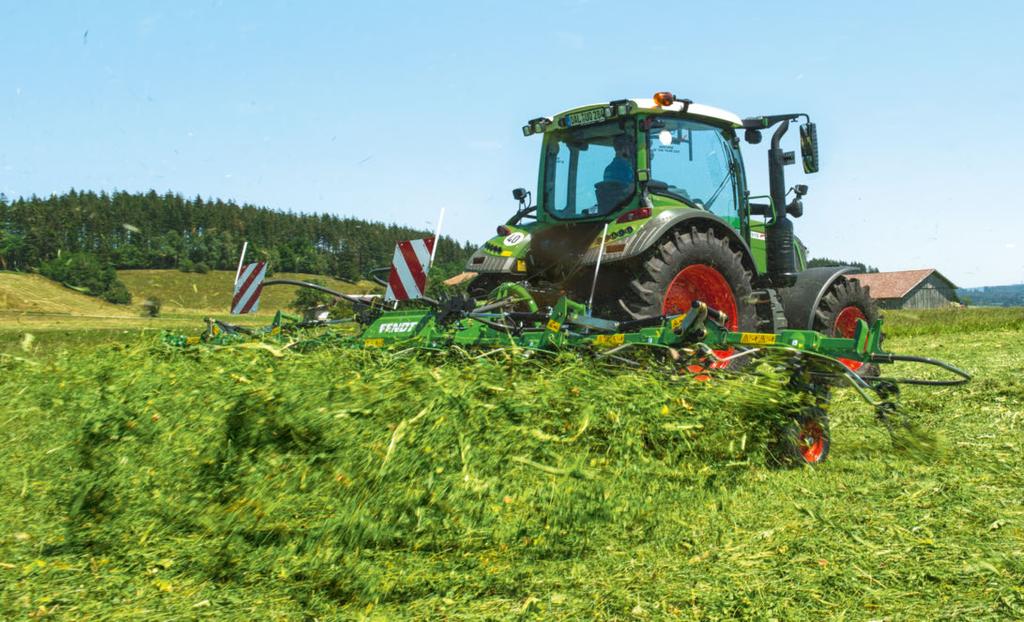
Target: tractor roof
715, 116
695, 109
698, 110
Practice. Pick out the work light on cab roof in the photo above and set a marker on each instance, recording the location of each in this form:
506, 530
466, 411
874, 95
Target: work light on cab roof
664, 98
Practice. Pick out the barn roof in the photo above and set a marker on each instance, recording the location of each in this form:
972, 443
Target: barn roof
896, 284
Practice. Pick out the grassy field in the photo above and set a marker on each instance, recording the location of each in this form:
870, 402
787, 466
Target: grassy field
142, 483
55, 314
211, 292
35, 294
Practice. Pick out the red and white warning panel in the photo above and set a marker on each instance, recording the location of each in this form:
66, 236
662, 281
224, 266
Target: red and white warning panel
408, 278
248, 288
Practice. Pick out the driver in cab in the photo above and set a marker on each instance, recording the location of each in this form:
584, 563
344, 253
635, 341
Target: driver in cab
617, 185
621, 168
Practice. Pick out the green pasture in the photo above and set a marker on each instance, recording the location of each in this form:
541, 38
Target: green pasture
56, 315
211, 292
144, 483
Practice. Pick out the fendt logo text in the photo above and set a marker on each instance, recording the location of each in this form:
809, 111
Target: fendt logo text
397, 327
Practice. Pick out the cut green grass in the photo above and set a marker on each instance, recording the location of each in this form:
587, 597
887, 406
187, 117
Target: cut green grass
147, 483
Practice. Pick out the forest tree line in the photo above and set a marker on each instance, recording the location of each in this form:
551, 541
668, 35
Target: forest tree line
821, 262
993, 296
150, 230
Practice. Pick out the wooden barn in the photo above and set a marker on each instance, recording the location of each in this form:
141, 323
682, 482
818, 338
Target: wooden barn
909, 289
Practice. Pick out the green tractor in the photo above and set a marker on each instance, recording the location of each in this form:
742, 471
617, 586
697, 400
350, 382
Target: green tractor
643, 208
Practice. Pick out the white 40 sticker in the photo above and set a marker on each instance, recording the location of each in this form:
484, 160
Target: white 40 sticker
514, 238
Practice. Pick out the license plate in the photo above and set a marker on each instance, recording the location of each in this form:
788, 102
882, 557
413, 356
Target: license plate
586, 117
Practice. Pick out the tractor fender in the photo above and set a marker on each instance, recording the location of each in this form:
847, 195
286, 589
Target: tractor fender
800, 301
658, 226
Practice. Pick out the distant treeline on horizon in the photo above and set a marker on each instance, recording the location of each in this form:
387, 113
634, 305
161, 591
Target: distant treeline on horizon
820, 262
150, 230
994, 295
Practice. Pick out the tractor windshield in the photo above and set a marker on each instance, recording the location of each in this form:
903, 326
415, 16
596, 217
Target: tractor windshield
589, 171
693, 161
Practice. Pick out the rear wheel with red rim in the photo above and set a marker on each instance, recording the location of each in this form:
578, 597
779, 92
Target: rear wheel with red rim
706, 284
840, 307
686, 266
846, 322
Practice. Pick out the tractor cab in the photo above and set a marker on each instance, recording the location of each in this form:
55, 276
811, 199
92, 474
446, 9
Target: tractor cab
599, 168
607, 171
588, 172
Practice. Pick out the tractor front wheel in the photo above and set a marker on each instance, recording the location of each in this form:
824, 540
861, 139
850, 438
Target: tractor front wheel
693, 265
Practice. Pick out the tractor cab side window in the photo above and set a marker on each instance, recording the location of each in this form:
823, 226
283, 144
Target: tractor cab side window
589, 172
693, 161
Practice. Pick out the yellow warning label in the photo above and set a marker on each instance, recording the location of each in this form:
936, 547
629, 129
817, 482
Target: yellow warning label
373, 343
610, 340
554, 326
757, 339
191, 341
676, 321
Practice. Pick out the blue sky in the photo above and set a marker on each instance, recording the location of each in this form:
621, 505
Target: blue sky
390, 112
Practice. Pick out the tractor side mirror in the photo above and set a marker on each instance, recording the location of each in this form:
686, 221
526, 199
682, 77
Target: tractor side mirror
524, 197
752, 136
809, 147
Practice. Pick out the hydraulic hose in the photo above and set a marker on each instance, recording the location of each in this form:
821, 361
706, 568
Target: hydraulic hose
964, 377
354, 299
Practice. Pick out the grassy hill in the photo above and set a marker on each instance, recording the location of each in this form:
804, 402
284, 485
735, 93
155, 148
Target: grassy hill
211, 292
236, 484
56, 315
33, 303
31, 293
22, 293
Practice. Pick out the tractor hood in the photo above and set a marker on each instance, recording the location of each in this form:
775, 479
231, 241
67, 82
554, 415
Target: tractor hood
544, 247
502, 253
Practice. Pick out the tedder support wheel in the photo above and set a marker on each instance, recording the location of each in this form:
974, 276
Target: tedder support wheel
806, 439
698, 264
841, 306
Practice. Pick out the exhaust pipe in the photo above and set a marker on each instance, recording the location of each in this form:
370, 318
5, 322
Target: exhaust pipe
779, 234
